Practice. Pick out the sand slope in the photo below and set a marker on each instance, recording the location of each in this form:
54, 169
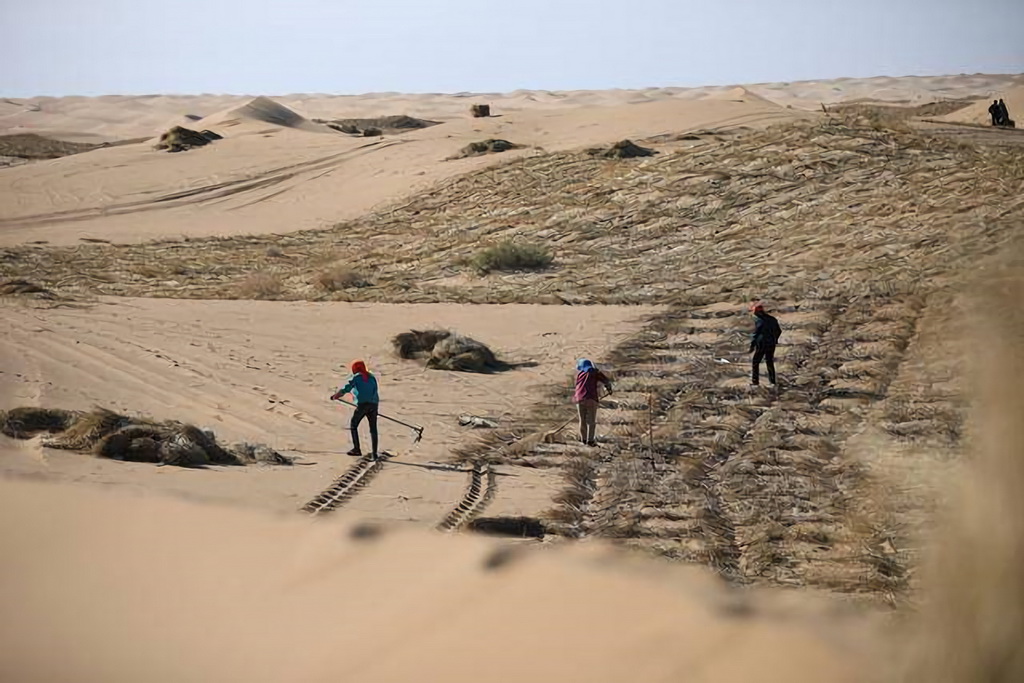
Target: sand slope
261, 110
130, 589
92, 119
263, 372
978, 112
268, 178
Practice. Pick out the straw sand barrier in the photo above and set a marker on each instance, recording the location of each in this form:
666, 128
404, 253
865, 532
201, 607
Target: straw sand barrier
107, 434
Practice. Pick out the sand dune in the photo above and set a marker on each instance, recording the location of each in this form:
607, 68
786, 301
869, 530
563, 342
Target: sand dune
261, 110
104, 579
92, 119
130, 589
275, 179
978, 112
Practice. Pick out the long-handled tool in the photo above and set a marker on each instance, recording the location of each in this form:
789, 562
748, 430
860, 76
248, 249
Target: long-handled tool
415, 428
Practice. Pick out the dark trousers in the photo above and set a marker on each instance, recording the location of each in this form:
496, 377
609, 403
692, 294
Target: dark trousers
369, 411
766, 353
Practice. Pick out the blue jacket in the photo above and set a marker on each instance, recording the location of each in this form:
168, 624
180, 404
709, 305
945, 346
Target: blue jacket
364, 390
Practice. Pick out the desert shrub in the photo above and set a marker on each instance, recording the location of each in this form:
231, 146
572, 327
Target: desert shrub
511, 256
14, 287
260, 285
489, 146
339, 277
24, 423
180, 139
110, 435
447, 350
463, 354
417, 343
623, 149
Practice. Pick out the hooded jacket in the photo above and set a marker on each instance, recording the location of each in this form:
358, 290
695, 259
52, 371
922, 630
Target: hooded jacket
766, 331
587, 379
362, 385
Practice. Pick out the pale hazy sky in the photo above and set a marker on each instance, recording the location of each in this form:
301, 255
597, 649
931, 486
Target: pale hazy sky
96, 47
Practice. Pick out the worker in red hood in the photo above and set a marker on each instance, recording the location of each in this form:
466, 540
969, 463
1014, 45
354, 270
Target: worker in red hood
363, 386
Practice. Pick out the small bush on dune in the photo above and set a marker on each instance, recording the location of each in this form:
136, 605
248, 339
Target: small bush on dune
624, 149
14, 287
24, 423
491, 146
339, 277
180, 139
463, 354
511, 256
417, 343
260, 285
109, 435
447, 350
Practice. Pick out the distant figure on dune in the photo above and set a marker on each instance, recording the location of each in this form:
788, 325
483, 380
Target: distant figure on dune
1004, 114
363, 386
586, 397
762, 343
994, 111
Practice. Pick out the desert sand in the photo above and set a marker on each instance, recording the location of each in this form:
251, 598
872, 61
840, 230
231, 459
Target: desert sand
978, 114
233, 595
226, 580
265, 177
277, 172
263, 372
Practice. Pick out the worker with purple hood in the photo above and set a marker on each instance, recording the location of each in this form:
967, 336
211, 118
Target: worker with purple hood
586, 397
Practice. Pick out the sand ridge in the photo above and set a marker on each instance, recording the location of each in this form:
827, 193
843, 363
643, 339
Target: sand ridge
275, 179
977, 113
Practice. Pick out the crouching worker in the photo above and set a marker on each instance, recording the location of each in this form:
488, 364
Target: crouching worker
586, 397
363, 386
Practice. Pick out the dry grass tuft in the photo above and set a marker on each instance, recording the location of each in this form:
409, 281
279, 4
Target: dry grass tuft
447, 350
260, 284
339, 277
512, 256
87, 429
17, 287
491, 146
180, 139
623, 149
383, 124
107, 434
32, 146
463, 354
572, 502
24, 423
417, 343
